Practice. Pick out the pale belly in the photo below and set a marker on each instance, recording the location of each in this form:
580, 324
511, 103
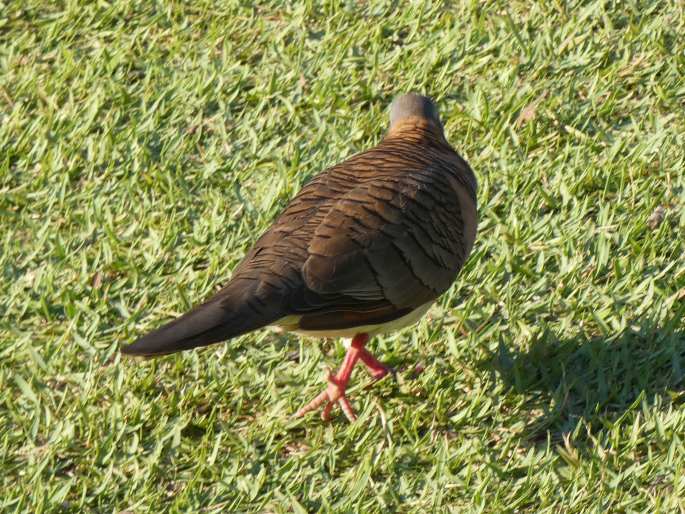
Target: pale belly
289, 324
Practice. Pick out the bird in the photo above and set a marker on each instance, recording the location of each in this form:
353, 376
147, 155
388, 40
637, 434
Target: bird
364, 248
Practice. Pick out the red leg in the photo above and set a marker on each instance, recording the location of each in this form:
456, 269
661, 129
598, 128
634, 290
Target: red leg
335, 392
375, 367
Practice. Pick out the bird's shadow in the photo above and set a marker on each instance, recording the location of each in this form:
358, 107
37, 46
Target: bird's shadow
595, 380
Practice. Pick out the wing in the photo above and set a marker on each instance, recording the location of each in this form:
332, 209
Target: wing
395, 240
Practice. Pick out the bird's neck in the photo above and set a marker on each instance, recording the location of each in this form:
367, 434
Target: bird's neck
416, 128
423, 132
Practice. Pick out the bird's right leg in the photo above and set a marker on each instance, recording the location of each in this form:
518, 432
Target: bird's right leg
337, 384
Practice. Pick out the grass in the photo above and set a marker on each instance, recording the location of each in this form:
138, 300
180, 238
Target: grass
145, 145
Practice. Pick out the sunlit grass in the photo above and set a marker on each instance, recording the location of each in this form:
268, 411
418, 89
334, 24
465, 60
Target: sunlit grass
143, 148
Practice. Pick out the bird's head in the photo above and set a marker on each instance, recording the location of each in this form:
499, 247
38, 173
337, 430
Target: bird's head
412, 105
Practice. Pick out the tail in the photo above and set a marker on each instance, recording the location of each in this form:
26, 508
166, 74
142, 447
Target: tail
217, 320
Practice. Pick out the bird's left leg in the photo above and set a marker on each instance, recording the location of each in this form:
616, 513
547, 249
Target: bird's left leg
376, 368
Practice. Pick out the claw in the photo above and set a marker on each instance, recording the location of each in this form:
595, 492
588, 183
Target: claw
335, 391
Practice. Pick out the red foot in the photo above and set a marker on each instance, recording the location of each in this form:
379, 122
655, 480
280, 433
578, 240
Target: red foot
335, 392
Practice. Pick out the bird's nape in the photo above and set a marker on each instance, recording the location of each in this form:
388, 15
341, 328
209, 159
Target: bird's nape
413, 105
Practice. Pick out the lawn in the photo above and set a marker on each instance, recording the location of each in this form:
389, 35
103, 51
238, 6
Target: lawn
145, 145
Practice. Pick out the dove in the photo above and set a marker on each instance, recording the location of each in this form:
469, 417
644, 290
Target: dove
366, 247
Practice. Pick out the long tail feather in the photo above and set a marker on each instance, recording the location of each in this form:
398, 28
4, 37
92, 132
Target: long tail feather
206, 324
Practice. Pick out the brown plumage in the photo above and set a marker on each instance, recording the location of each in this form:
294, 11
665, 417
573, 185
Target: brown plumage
365, 247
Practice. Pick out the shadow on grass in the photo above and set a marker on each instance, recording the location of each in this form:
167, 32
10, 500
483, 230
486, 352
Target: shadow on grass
598, 379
